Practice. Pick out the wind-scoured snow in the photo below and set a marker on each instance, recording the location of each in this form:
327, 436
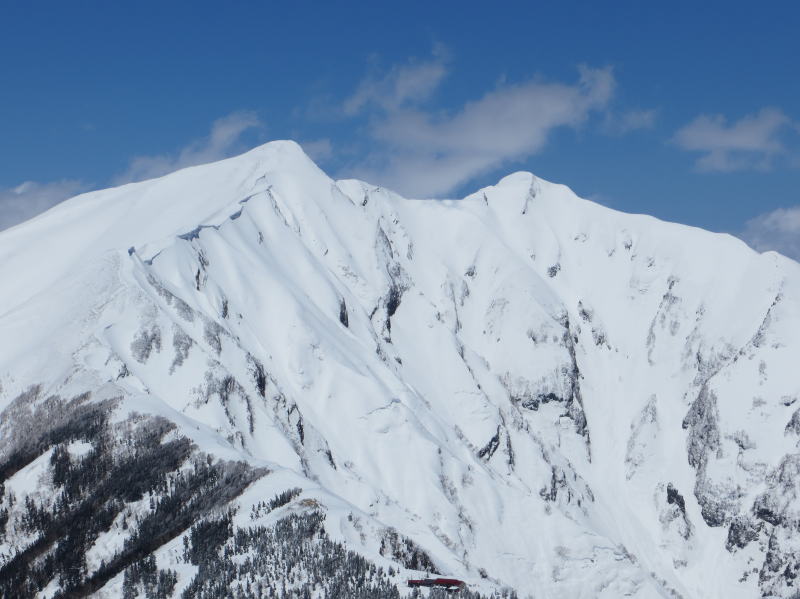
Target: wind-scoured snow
537, 392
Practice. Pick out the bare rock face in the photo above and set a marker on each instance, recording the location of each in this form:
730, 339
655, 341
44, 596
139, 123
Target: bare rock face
247, 379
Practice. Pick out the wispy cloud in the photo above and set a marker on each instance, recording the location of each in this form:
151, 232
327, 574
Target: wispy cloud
319, 150
224, 140
427, 153
632, 120
403, 84
778, 230
753, 142
28, 199
25, 201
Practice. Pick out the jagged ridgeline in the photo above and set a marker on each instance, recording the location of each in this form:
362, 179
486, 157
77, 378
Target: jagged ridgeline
127, 488
247, 377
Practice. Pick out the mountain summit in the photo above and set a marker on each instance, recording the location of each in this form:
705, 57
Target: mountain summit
247, 379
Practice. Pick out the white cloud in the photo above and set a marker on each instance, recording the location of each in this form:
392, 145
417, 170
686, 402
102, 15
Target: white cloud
318, 150
223, 141
778, 230
749, 143
25, 201
426, 153
633, 120
409, 83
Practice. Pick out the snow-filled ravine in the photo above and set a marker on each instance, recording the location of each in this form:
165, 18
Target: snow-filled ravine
247, 379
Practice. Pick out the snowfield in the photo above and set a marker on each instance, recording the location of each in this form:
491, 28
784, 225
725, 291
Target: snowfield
521, 389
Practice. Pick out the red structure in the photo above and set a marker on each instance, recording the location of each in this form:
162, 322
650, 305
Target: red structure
446, 583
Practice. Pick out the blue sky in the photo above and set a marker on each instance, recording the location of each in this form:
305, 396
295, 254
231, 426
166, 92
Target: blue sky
690, 113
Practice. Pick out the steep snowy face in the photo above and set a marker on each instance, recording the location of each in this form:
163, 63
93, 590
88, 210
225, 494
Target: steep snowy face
521, 389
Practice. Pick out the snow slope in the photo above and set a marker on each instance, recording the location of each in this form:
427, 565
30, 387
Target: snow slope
539, 392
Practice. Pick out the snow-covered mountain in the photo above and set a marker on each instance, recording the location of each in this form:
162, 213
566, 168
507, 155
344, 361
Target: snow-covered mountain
246, 377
